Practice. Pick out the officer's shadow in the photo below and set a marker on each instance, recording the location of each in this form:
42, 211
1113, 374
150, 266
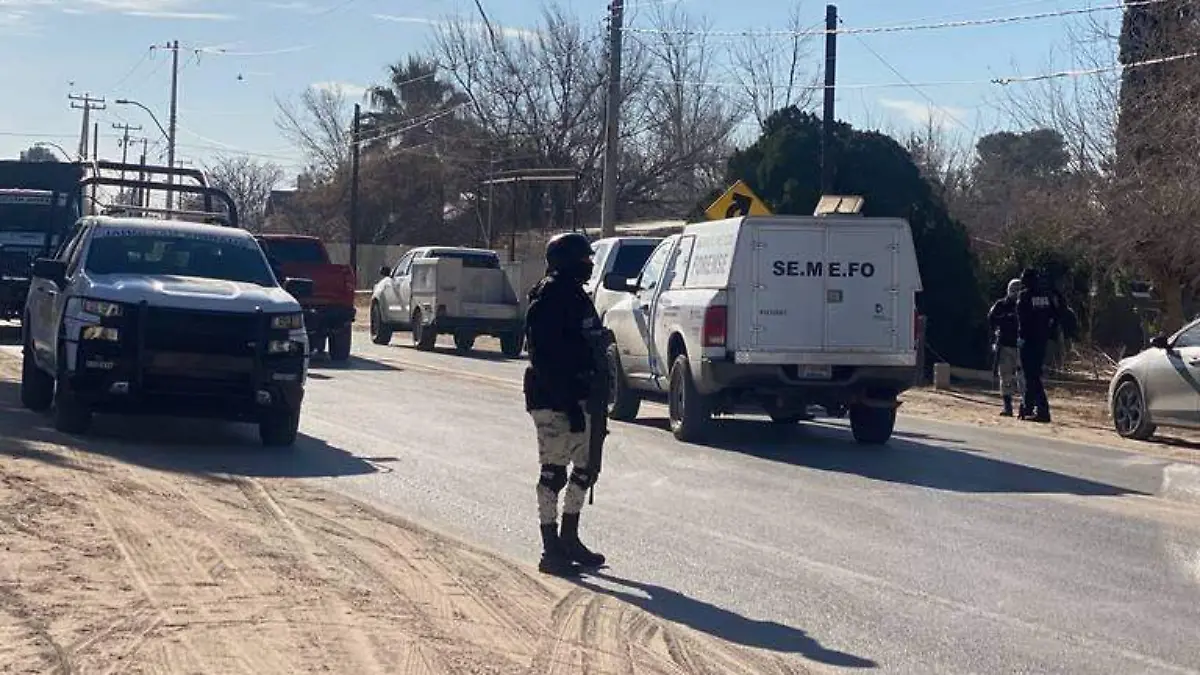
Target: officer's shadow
721, 623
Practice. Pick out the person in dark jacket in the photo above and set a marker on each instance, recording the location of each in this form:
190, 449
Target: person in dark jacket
558, 324
1002, 319
1037, 321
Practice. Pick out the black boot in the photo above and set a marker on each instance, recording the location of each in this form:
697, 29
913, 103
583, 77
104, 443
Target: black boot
573, 548
554, 559
1008, 409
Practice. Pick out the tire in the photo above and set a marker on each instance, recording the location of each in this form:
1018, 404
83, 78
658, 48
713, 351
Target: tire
381, 332
623, 402
690, 411
71, 416
423, 336
511, 345
37, 386
339, 345
279, 430
464, 342
872, 426
1129, 412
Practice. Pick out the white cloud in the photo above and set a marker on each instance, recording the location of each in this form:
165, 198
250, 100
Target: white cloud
295, 6
181, 16
347, 88
922, 114
506, 31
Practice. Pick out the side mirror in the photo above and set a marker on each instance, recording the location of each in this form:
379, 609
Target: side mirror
618, 283
385, 271
49, 268
1160, 342
299, 288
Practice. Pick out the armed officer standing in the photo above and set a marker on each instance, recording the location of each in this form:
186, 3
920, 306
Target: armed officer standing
1002, 318
1037, 320
559, 324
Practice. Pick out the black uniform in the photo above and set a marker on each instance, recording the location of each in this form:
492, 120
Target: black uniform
1037, 318
1002, 319
558, 327
560, 360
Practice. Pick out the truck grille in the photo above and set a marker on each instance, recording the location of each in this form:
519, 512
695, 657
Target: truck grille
174, 330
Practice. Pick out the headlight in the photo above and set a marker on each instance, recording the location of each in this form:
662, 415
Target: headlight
287, 321
104, 333
101, 308
282, 347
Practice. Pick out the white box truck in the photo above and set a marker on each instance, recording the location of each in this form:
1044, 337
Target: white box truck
771, 314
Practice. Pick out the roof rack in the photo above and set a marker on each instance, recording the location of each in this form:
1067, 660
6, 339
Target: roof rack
229, 217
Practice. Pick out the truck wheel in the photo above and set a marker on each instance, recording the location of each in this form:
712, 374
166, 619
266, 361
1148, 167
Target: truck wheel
381, 333
423, 336
690, 411
463, 342
279, 429
511, 344
872, 426
339, 345
37, 387
71, 416
623, 402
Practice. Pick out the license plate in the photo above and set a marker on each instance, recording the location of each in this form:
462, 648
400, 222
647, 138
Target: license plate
810, 372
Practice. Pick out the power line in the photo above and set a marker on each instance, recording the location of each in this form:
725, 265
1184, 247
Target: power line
905, 28
1002, 81
921, 92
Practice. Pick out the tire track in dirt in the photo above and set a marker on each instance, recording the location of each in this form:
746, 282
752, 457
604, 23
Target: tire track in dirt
35, 631
435, 617
361, 647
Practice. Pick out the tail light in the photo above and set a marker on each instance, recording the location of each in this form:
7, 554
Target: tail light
715, 326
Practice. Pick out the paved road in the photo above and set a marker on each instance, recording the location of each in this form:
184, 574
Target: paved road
954, 550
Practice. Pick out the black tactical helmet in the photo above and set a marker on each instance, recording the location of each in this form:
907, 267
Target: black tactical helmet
567, 251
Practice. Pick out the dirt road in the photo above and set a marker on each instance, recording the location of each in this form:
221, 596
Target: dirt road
109, 567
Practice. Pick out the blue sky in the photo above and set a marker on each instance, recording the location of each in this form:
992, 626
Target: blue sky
50, 48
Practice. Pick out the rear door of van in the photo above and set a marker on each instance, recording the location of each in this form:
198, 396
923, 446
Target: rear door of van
824, 287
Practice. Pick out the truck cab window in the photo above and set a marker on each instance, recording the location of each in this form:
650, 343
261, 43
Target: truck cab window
654, 266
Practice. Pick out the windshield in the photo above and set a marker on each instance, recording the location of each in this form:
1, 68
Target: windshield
631, 258
471, 259
172, 254
30, 217
295, 250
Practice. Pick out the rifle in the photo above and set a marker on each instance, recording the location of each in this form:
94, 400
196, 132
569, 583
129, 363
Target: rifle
597, 404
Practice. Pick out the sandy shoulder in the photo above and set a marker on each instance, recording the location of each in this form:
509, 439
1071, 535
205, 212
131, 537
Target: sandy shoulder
1081, 417
108, 566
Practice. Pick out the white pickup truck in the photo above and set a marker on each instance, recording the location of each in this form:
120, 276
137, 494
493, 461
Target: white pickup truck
460, 291
623, 256
770, 314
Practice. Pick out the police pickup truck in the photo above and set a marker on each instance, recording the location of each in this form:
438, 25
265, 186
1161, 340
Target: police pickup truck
158, 316
770, 314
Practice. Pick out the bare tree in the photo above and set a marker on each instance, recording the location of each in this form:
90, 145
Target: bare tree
773, 74
249, 182
319, 126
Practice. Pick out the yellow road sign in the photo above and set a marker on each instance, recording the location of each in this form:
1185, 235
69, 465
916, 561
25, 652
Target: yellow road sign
738, 200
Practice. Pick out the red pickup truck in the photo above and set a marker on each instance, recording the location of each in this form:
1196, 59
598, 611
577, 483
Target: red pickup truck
329, 312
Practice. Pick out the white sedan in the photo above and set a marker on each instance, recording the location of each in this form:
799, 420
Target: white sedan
1159, 386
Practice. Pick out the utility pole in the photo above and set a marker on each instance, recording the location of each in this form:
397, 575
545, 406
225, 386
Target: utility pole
171, 125
87, 104
142, 194
95, 156
828, 161
608, 197
355, 138
124, 142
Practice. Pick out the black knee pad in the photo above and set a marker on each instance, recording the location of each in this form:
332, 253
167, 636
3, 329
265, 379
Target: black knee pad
583, 478
554, 477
